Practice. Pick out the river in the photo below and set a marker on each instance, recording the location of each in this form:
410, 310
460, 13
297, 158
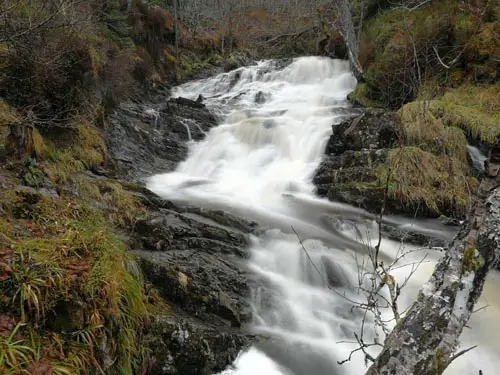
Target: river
275, 120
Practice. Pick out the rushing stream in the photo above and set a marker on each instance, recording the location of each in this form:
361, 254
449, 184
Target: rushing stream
258, 163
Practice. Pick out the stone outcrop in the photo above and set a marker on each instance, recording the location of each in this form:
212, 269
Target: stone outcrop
354, 151
194, 257
349, 172
148, 137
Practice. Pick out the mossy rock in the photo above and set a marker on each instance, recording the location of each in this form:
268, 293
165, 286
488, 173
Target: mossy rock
359, 97
474, 109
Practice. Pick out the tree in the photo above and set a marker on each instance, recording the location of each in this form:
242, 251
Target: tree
425, 340
345, 25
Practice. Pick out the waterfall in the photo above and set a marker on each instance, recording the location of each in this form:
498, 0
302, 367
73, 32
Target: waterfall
258, 163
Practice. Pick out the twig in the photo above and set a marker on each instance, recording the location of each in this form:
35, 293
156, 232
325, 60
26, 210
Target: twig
462, 352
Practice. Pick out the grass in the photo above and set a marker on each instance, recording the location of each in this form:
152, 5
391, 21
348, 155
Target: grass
82, 148
60, 253
419, 123
7, 114
423, 129
67, 280
475, 109
418, 177
359, 96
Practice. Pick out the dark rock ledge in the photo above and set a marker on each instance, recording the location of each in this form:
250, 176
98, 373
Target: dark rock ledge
194, 257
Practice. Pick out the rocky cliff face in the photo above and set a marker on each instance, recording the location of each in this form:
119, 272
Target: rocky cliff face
354, 151
194, 257
150, 136
352, 171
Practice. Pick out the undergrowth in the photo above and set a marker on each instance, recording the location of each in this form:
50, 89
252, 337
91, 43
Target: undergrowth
417, 177
73, 300
475, 109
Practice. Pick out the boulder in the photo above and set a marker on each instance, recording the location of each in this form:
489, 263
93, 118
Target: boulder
184, 347
373, 129
196, 259
150, 137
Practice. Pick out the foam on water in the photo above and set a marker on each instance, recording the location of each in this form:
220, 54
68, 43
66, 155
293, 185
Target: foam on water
258, 163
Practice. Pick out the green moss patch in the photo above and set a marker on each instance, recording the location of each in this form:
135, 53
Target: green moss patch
475, 109
423, 129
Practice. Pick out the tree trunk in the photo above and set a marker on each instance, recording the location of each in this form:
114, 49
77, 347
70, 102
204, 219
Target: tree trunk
346, 29
176, 16
425, 340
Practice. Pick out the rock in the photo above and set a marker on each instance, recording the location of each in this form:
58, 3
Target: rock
357, 147
196, 259
183, 346
352, 170
347, 178
260, 97
188, 102
373, 129
197, 262
147, 138
412, 237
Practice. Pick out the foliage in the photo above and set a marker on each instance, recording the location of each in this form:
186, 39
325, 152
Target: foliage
402, 49
475, 109
417, 177
423, 129
59, 259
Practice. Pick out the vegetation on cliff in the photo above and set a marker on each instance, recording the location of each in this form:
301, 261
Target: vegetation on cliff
436, 63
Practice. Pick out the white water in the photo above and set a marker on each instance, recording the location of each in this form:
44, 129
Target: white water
259, 163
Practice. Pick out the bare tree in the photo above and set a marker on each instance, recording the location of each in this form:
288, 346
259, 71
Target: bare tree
425, 340
345, 26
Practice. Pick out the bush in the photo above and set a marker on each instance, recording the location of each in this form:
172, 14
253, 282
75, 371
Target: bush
398, 49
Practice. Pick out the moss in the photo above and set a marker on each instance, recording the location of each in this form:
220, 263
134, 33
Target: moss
455, 143
439, 364
7, 114
419, 124
39, 147
122, 206
83, 148
470, 262
476, 123
89, 145
359, 96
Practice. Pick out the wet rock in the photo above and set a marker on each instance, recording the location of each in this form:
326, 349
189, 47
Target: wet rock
347, 178
412, 237
197, 264
196, 259
373, 129
184, 347
188, 102
260, 97
146, 138
357, 147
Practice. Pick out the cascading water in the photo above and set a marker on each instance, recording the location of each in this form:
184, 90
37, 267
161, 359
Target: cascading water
275, 122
